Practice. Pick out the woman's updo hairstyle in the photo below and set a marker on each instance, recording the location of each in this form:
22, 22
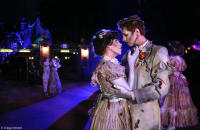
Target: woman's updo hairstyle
176, 48
102, 39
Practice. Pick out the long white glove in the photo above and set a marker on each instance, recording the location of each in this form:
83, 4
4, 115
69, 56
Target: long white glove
132, 57
120, 83
131, 61
123, 86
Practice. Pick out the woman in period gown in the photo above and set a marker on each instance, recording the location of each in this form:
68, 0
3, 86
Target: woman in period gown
45, 76
178, 109
110, 112
54, 87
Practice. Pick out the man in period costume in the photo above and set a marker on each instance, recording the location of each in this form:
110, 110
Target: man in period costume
150, 82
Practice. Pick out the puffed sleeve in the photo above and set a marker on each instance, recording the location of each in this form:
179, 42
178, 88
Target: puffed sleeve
114, 71
94, 79
102, 76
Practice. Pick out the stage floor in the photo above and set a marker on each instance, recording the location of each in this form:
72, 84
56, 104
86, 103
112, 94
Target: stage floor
24, 106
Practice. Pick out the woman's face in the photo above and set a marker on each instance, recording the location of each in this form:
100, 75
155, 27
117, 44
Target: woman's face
115, 47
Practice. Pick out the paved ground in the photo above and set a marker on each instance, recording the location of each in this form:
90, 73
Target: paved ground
24, 106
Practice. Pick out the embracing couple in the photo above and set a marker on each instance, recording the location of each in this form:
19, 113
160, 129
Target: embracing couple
130, 93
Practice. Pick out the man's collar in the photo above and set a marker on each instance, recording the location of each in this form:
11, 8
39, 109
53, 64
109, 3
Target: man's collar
147, 49
143, 45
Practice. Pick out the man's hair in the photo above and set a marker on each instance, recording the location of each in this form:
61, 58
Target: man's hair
131, 23
102, 39
176, 48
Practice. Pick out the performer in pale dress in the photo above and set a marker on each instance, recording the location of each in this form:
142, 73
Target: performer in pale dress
54, 80
111, 112
45, 76
178, 109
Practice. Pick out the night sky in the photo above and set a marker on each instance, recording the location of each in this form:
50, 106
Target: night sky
165, 20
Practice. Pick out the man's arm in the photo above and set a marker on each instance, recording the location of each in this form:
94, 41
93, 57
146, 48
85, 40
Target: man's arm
160, 80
